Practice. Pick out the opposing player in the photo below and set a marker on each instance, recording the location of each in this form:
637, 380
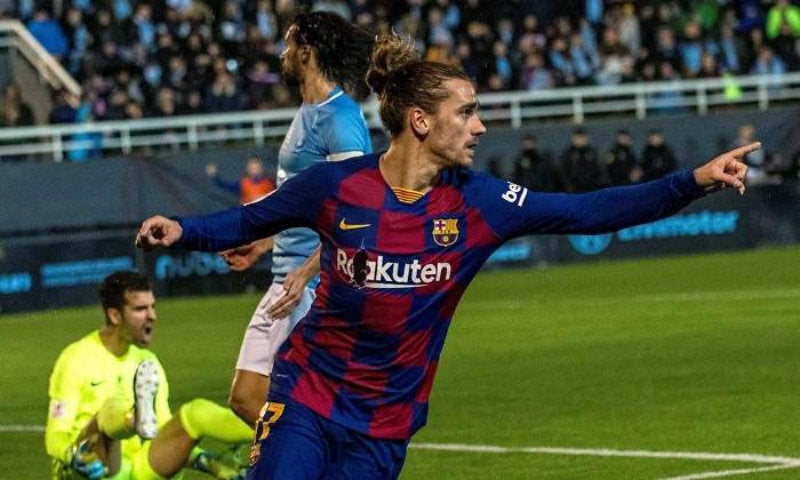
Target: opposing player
403, 234
109, 414
324, 55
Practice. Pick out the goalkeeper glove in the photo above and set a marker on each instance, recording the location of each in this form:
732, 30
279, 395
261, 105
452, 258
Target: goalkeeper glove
85, 462
209, 463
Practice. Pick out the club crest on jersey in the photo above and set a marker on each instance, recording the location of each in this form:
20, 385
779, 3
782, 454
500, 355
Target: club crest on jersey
445, 231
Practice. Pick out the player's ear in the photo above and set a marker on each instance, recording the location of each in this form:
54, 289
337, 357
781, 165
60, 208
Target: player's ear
305, 53
419, 121
114, 316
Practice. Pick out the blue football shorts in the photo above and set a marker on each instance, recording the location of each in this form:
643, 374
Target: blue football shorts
294, 443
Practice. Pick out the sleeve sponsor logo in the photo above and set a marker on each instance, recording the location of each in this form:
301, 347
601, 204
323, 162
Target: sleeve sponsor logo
58, 409
515, 194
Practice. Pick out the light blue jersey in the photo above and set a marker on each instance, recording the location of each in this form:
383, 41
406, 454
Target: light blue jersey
319, 132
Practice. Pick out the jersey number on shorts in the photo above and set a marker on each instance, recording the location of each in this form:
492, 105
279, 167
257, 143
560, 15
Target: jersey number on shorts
270, 413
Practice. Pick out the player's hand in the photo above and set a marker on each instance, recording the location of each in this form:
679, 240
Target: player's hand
725, 171
211, 169
158, 231
86, 463
244, 257
293, 288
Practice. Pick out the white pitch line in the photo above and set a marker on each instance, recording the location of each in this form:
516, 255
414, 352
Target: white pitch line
732, 473
759, 294
606, 452
21, 428
783, 463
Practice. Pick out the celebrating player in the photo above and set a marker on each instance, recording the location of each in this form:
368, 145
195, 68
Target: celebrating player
403, 234
109, 413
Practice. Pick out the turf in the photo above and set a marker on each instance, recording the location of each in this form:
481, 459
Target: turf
684, 354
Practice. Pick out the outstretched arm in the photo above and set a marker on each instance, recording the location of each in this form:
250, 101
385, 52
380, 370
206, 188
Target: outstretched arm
516, 211
295, 204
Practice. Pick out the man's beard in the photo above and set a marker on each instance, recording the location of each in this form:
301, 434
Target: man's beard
289, 78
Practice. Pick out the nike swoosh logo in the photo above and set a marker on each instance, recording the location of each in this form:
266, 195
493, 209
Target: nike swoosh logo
94, 384
352, 226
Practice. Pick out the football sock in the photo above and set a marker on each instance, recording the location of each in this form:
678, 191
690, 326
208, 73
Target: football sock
203, 418
115, 418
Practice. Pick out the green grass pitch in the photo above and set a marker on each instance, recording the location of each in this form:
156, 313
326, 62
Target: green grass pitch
688, 355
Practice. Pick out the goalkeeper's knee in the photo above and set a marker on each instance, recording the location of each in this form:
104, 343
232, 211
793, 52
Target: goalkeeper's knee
115, 418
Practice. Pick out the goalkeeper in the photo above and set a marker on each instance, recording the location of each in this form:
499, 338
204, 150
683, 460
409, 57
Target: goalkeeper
109, 415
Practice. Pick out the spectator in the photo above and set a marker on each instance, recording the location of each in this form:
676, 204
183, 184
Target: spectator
621, 166
535, 170
657, 158
709, 68
142, 28
668, 101
730, 49
49, 33
254, 185
579, 164
89, 143
758, 161
768, 63
629, 28
65, 106
224, 95
783, 17
260, 83
166, 103
79, 38
134, 111
534, 74
266, 22
691, 49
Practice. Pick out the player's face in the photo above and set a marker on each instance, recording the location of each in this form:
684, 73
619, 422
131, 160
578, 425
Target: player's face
138, 315
456, 126
289, 58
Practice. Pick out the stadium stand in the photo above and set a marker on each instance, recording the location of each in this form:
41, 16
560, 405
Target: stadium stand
175, 57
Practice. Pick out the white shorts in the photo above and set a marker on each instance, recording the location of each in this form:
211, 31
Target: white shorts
265, 334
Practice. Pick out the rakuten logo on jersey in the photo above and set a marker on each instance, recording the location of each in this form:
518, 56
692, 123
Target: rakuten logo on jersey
382, 273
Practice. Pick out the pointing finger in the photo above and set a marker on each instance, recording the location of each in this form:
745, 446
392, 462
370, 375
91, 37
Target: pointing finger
742, 151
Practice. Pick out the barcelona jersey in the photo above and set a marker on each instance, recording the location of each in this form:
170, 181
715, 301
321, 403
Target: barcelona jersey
393, 272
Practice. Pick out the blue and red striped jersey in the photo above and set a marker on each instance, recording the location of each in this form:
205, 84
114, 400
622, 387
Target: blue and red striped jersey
392, 273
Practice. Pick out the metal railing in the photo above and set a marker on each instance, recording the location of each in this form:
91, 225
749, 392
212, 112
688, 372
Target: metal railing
507, 108
13, 34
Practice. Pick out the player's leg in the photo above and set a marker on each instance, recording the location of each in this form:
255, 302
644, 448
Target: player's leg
248, 391
262, 339
98, 445
172, 448
290, 444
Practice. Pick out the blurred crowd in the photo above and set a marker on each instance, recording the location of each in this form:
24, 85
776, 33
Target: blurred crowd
583, 166
140, 58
